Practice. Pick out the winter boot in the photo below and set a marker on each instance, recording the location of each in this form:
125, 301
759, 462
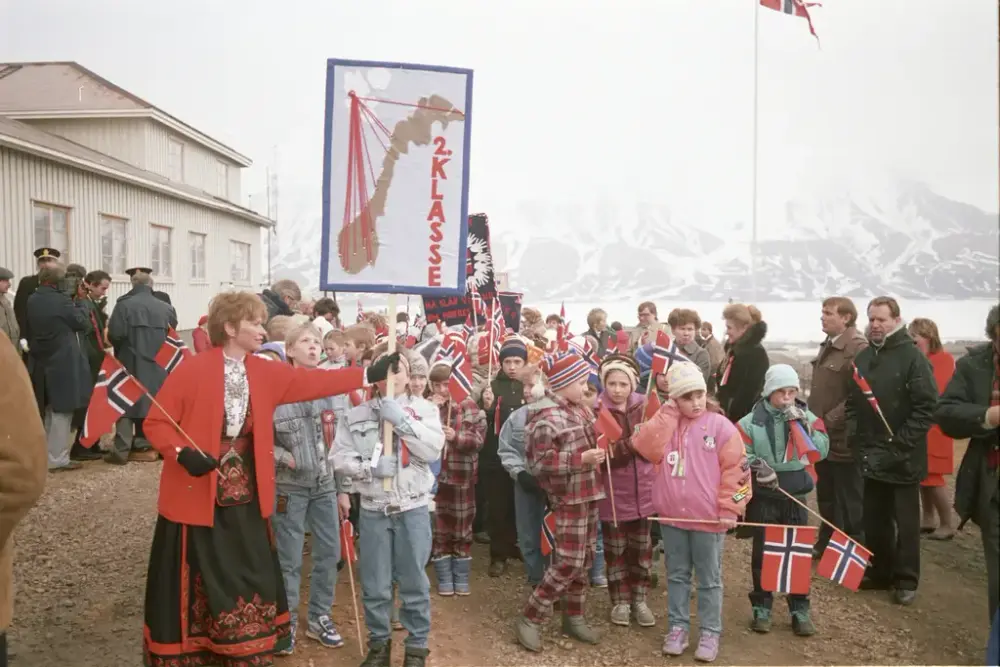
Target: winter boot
529, 635
415, 657
761, 619
577, 628
802, 624
443, 567
379, 655
461, 567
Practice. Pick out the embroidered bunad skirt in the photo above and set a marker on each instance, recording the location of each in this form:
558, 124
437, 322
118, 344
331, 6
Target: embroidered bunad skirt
215, 596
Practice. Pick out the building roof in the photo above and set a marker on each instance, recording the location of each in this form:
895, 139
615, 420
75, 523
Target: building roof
137, 107
27, 139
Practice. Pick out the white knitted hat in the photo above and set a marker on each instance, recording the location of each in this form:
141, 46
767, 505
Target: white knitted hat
683, 378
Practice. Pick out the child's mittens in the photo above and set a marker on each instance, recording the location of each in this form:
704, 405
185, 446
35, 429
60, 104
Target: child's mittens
765, 474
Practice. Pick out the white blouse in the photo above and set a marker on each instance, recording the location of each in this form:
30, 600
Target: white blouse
237, 394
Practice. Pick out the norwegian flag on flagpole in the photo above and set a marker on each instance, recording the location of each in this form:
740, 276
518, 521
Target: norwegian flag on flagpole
451, 346
844, 561
115, 392
361, 311
652, 405
607, 427
798, 8
562, 311
548, 533
347, 549
866, 391
801, 445
468, 328
664, 353
497, 327
788, 559
460, 381
172, 352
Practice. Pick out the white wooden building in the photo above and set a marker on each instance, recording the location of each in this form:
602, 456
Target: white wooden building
114, 182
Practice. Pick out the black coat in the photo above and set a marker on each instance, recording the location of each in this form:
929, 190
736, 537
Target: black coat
508, 395
162, 296
960, 413
137, 330
58, 366
748, 365
275, 304
25, 288
603, 339
902, 380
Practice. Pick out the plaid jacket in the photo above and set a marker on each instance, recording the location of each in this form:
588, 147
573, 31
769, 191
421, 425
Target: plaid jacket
462, 456
556, 436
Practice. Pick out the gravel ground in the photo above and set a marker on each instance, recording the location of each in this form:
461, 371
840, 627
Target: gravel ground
81, 565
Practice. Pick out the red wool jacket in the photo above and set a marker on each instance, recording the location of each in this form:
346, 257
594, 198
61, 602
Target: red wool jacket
193, 395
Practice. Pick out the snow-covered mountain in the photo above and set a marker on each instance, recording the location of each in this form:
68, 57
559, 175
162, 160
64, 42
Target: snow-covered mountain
908, 241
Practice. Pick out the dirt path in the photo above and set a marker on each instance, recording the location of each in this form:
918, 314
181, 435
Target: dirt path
81, 566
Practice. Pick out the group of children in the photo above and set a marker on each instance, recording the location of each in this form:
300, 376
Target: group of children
686, 474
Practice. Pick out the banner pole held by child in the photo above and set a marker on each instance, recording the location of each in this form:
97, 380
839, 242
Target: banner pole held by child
389, 382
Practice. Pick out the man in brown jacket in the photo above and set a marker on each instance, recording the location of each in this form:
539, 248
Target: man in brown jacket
23, 463
839, 487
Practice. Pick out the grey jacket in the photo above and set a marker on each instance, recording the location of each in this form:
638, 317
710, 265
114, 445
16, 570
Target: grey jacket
303, 437
360, 432
699, 356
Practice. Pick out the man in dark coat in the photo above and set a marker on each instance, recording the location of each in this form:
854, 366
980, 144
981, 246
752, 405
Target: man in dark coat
93, 300
970, 408
137, 330
282, 298
56, 362
162, 296
892, 454
26, 287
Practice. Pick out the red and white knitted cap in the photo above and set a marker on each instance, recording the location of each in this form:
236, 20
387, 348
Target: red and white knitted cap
564, 368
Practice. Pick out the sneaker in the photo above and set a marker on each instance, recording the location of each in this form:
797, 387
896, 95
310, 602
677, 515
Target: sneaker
323, 631
676, 641
290, 646
708, 647
643, 614
802, 624
620, 615
761, 620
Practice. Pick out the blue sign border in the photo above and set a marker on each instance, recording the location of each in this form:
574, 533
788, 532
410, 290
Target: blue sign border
324, 284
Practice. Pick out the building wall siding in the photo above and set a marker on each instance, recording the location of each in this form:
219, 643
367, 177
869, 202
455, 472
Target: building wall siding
199, 162
121, 138
25, 178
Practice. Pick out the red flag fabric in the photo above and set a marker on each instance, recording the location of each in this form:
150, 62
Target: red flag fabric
664, 353
844, 561
172, 352
115, 392
788, 559
548, 533
607, 427
652, 405
460, 381
562, 311
798, 8
347, 550
801, 445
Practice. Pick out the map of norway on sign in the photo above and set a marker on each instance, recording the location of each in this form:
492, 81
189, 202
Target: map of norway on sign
395, 178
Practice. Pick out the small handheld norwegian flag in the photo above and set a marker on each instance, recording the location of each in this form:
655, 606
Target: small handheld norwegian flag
172, 352
548, 533
844, 561
607, 427
347, 549
788, 559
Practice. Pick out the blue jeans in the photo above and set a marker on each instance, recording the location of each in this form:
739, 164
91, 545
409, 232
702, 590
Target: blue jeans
597, 567
702, 551
397, 547
529, 508
317, 509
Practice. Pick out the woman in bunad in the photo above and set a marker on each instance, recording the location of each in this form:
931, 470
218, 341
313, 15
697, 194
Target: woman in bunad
214, 591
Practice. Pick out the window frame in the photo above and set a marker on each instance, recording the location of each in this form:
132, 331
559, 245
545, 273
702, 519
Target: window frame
111, 218
154, 233
222, 172
171, 142
203, 278
38, 203
248, 247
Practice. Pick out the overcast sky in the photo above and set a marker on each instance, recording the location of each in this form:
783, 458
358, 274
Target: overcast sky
574, 99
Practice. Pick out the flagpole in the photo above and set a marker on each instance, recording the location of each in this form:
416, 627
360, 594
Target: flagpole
753, 241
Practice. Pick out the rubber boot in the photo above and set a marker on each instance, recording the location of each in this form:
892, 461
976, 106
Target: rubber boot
444, 568
462, 567
529, 635
577, 628
379, 655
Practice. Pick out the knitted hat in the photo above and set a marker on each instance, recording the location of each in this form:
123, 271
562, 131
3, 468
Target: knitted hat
644, 355
418, 365
563, 369
778, 377
619, 362
683, 378
513, 346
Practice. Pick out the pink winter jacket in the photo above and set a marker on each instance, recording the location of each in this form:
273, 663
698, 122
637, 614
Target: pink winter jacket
716, 478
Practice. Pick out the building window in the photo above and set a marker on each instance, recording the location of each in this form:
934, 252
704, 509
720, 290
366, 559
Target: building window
160, 262
52, 227
175, 160
239, 261
196, 242
114, 245
221, 179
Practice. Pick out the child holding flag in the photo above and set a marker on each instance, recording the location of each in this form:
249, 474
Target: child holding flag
783, 440
628, 545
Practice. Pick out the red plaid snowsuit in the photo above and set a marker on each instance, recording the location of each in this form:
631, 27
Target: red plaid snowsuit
556, 436
455, 502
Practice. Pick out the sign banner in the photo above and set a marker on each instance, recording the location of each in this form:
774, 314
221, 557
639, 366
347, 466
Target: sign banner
479, 276
395, 178
510, 305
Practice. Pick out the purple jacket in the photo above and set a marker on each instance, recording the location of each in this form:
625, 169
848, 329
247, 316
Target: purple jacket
631, 475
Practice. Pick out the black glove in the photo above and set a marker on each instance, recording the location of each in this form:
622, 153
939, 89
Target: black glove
196, 463
528, 482
379, 370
